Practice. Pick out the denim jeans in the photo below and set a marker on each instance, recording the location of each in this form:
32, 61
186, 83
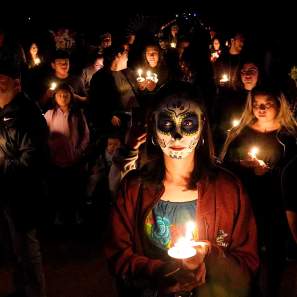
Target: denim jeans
23, 250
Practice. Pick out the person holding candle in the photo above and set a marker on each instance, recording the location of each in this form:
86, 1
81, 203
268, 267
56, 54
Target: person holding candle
60, 63
155, 70
229, 105
257, 150
180, 183
68, 142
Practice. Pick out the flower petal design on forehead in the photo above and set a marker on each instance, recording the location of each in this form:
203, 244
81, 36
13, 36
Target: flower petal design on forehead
178, 107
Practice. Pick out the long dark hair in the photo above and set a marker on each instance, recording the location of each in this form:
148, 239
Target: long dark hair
154, 169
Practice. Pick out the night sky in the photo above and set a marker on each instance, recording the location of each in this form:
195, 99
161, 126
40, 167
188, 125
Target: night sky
274, 22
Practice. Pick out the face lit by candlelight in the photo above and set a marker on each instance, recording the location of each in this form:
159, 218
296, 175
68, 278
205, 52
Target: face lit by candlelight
63, 98
264, 108
249, 75
179, 125
152, 56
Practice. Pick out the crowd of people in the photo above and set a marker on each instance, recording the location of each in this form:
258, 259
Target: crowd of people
151, 131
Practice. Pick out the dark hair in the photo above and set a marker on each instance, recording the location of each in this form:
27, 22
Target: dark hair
153, 170
60, 54
111, 52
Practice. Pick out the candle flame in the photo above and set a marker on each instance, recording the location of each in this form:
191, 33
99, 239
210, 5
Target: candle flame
235, 122
53, 86
253, 152
139, 71
224, 78
37, 61
173, 44
190, 227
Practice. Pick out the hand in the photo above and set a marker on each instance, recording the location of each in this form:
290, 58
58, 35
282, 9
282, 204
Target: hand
116, 121
172, 279
249, 163
151, 85
135, 137
141, 85
50, 93
261, 169
202, 250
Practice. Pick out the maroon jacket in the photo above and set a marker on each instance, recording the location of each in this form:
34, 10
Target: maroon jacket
224, 217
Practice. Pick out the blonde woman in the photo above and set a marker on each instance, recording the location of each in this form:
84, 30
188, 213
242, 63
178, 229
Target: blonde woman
257, 150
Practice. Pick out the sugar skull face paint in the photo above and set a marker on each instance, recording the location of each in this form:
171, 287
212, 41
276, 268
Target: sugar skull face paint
178, 127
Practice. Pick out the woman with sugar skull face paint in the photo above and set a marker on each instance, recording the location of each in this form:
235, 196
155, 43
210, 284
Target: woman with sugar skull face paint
179, 124
178, 183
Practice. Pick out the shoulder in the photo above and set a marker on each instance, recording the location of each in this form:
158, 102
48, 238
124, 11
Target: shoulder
131, 180
227, 184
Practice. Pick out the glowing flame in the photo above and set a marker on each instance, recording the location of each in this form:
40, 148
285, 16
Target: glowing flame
53, 86
235, 122
37, 61
139, 71
224, 78
253, 152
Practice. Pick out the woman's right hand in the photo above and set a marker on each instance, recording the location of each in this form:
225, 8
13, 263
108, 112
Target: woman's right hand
135, 137
172, 279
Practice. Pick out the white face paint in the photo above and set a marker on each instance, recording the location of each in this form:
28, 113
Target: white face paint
178, 127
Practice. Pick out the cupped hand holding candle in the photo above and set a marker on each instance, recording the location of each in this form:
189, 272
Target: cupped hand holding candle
253, 154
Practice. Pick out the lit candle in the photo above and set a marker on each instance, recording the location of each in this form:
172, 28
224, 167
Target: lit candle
235, 122
152, 76
253, 154
155, 77
224, 78
182, 249
53, 86
148, 75
140, 78
173, 44
37, 61
190, 227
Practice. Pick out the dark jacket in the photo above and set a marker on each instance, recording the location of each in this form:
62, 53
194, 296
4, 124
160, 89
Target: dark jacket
224, 217
23, 160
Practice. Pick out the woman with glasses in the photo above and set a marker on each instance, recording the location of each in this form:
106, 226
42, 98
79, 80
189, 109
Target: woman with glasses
257, 150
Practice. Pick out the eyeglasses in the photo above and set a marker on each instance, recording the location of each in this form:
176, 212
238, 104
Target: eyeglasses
249, 72
263, 106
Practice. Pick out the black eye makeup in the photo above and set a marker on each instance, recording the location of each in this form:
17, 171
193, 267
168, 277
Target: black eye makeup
190, 123
165, 123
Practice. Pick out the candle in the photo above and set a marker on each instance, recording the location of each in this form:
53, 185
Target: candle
148, 75
235, 122
155, 77
224, 78
140, 78
182, 249
152, 76
53, 86
173, 44
190, 227
37, 61
253, 154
